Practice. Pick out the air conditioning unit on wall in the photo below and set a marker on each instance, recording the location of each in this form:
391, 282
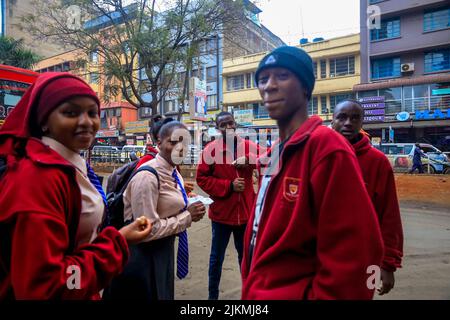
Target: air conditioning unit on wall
407, 67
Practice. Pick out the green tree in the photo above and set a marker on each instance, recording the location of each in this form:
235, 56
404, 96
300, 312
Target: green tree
145, 45
13, 53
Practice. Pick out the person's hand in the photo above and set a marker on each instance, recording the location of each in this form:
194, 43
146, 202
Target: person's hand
197, 210
189, 187
387, 282
239, 185
136, 231
241, 162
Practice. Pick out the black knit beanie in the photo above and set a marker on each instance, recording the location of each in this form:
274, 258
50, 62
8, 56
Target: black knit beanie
294, 59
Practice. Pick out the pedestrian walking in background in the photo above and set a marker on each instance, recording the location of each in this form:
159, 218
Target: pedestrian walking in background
417, 159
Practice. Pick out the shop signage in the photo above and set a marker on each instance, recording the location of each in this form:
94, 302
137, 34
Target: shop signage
374, 112
136, 127
372, 99
243, 117
373, 108
107, 133
402, 116
378, 105
374, 119
197, 99
433, 114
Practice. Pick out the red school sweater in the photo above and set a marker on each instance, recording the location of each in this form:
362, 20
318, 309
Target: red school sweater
318, 231
380, 182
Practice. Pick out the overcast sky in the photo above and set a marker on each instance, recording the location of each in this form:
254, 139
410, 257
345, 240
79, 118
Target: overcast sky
321, 18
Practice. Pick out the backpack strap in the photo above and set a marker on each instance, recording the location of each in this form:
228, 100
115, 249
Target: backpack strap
143, 168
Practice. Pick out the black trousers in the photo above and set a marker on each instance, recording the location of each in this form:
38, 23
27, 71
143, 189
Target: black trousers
148, 275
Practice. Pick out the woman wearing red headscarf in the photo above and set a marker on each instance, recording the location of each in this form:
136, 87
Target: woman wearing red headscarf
51, 207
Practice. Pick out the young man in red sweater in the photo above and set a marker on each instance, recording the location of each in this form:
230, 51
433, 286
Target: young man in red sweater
379, 178
313, 233
229, 182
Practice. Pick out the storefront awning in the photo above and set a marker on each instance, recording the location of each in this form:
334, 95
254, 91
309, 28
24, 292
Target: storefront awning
434, 78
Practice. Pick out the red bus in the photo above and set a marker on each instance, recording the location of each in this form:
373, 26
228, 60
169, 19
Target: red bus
13, 84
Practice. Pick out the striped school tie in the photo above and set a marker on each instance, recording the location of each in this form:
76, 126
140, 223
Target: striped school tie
96, 182
183, 251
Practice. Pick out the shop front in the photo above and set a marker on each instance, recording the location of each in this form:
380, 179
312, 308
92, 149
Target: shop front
408, 110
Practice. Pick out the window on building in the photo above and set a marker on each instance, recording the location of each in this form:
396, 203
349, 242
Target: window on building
336, 99
66, 66
436, 19
145, 112
315, 69
170, 106
312, 106
323, 104
211, 45
249, 80
385, 68
393, 99
211, 102
93, 57
438, 60
235, 82
93, 77
261, 112
196, 73
211, 74
342, 66
389, 28
323, 69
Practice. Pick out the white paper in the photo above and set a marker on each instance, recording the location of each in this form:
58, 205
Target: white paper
204, 200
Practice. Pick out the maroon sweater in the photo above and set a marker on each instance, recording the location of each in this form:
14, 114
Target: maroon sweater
40, 203
318, 231
379, 178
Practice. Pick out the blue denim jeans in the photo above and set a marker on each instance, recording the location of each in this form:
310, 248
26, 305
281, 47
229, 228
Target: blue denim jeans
220, 238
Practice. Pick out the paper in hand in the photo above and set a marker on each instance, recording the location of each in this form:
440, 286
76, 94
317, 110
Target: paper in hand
204, 200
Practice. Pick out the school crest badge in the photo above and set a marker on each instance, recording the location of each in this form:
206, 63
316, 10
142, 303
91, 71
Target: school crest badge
291, 187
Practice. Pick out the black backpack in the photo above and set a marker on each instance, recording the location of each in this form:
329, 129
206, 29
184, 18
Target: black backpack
117, 183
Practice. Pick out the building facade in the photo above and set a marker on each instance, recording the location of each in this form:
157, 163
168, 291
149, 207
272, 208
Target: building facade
405, 70
115, 111
337, 71
11, 12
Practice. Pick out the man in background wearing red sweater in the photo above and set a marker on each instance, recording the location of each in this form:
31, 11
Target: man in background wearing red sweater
379, 178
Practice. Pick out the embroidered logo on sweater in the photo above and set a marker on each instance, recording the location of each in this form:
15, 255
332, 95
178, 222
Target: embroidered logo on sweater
291, 188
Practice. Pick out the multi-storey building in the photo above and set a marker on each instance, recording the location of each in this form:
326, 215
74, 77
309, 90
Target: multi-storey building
336, 67
405, 69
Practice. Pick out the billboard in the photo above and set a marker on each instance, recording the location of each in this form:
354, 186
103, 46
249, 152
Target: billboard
197, 99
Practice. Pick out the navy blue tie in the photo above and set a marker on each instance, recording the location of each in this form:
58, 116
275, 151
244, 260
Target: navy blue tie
183, 251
